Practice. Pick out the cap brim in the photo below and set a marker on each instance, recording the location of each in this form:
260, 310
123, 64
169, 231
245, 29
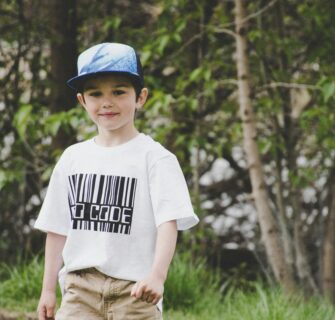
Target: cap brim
77, 82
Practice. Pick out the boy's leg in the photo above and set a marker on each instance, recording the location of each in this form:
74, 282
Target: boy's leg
83, 297
122, 306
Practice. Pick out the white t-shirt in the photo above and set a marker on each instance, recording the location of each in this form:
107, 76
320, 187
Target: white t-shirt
109, 201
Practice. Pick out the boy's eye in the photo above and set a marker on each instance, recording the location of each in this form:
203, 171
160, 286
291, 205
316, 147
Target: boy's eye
119, 92
94, 93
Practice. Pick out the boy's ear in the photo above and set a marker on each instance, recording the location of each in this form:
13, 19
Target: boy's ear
142, 98
81, 99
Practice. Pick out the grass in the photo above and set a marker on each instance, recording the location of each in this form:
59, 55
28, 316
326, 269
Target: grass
190, 286
191, 293
260, 304
21, 285
272, 304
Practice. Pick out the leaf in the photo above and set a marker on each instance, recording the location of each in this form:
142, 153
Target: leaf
208, 74
113, 23
21, 119
9, 176
47, 174
3, 179
54, 121
254, 35
328, 90
195, 74
163, 41
116, 22
176, 37
145, 56
194, 104
264, 146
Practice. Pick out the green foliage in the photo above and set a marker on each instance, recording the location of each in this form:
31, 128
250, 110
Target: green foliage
191, 285
9, 176
262, 304
320, 119
189, 66
265, 303
22, 118
191, 293
21, 285
328, 90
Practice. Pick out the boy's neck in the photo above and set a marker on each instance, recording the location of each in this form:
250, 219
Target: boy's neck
110, 139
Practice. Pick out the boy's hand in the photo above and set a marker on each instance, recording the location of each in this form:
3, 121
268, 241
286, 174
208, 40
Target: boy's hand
150, 289
46, 306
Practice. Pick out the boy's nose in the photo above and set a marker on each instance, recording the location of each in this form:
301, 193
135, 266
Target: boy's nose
107, 103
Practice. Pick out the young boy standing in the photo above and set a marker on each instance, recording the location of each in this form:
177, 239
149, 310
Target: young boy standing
114, 202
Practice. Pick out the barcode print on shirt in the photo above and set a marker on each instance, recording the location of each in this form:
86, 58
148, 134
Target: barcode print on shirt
102, 203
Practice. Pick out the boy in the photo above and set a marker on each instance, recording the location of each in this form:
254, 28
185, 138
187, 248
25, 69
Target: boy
114, 202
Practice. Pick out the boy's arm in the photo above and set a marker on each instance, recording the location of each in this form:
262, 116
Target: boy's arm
53, 262
152, 287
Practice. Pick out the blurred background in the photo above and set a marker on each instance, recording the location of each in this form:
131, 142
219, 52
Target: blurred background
189, 54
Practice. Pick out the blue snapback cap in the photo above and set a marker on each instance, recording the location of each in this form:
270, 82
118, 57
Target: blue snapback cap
107, 58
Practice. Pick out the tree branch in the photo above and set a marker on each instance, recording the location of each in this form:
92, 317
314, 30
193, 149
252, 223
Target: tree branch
253, 15
224, 30
290, 85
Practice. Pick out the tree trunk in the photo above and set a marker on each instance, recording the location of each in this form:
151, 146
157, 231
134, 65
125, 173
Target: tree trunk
279, 187
268, 225
63, 31
329, 248
286, 236
301, 257
290, 136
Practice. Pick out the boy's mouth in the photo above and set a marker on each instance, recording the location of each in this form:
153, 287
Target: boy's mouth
109, 114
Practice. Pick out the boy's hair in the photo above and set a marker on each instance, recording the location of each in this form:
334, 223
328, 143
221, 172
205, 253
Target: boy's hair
108, 58
136, 85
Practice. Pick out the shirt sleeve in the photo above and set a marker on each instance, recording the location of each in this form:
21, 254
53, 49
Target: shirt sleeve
169, 194
55, 215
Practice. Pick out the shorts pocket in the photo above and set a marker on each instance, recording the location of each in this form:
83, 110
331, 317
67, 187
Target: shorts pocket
69, 280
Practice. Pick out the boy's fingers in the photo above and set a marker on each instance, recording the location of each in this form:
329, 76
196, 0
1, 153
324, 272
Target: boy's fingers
133, 289
50, 312
145, 296
157, 298
150, 299
41, 313
139, 291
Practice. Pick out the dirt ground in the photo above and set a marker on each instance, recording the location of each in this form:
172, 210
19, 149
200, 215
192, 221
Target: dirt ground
6, 315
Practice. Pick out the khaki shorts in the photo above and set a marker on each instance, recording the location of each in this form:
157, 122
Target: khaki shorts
91, 295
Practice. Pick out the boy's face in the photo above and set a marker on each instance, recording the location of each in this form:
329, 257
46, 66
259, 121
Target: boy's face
110, 101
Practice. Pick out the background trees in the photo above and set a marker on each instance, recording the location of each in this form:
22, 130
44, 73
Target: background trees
188, 50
